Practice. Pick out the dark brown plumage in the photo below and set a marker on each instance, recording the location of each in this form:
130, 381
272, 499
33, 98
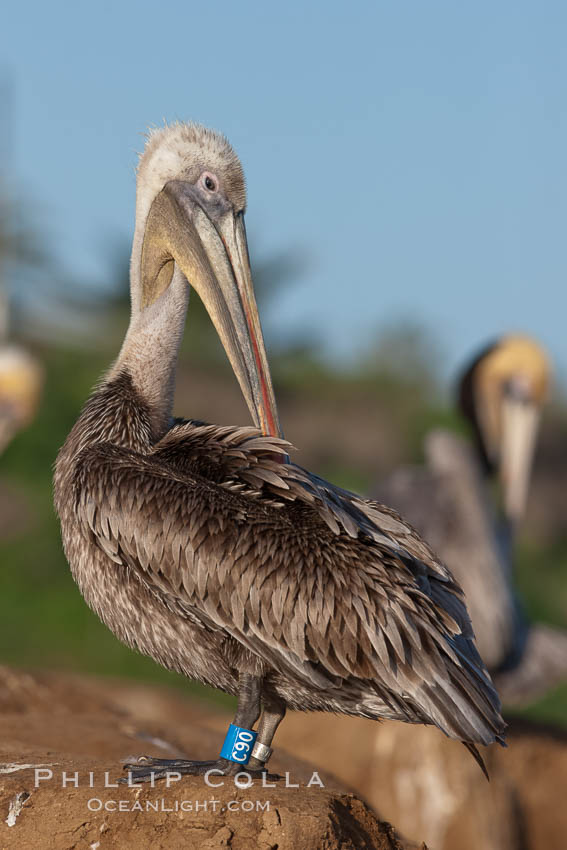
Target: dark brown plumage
203, 547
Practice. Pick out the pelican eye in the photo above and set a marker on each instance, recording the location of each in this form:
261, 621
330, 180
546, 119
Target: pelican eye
209, 182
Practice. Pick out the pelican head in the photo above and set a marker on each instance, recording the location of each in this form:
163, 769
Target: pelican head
190, 206
502, 393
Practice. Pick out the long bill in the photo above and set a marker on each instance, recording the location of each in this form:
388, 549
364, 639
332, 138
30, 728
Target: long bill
213, 257
520, 420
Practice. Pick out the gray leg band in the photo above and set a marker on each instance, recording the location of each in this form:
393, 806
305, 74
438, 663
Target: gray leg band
261, 752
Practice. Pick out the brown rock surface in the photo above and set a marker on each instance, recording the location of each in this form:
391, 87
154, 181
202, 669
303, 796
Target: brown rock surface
432, 789
425, 784
79, 729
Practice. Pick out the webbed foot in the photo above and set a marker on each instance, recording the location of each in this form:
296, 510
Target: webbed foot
147, 769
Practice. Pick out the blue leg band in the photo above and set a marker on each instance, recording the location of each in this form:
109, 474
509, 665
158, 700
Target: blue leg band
238, 744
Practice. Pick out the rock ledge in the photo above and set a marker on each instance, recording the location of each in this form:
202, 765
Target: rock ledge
63, 738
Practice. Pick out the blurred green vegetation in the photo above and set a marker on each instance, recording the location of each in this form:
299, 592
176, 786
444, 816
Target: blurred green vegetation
43, 619
352, 425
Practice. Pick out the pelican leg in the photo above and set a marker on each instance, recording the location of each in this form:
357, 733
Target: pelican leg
147, 769
249, 700
272, 715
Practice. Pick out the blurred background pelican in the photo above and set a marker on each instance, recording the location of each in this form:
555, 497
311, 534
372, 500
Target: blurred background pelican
472, 520
20, 382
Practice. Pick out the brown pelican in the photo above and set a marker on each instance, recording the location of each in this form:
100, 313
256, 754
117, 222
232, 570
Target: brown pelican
449, 502
501, 393
21, 378
204, 547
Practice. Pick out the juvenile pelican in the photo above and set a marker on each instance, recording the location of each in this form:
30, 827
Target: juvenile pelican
205, 548
450, 503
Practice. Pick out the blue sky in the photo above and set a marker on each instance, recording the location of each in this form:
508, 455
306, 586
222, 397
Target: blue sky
414, 151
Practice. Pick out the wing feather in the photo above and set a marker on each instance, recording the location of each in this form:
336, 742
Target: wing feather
325, 586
